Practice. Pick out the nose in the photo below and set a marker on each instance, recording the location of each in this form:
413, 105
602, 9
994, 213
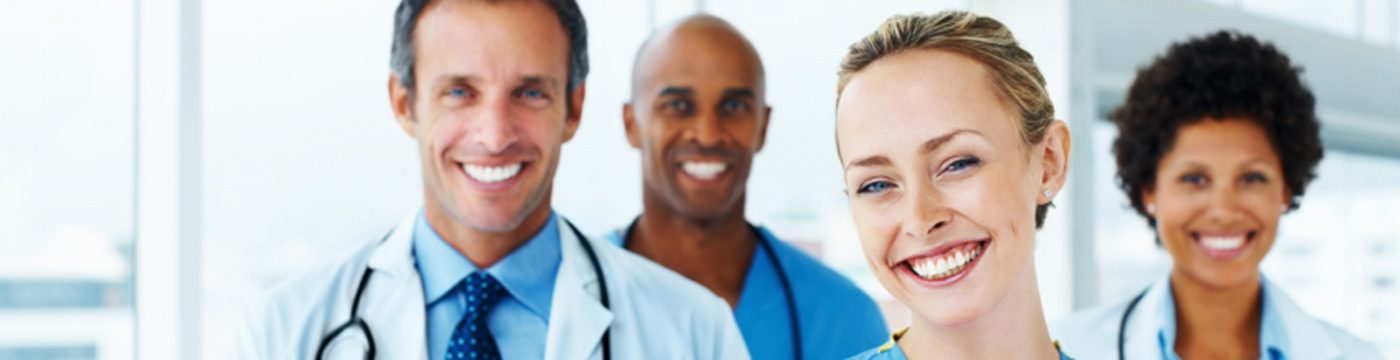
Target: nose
495, 129
925, 212
1224, 206
707, 129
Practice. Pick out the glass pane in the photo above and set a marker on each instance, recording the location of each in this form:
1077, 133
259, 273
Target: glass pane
66, 141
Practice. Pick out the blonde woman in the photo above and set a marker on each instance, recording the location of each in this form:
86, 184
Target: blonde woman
951, 156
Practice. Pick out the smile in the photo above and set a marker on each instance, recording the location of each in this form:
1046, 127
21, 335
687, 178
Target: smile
946, 265
704, 170
492, 174
1223, 245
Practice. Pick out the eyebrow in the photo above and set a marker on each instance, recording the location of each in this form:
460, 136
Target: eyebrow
929, 146
468, 79
677, 90
739, 92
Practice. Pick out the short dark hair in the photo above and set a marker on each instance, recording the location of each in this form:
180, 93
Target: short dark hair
402, 57
1224, 74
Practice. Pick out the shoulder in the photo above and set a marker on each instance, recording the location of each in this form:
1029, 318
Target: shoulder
810, 276
1090, 331
829, 298
641, 277
1352, 346
290, 313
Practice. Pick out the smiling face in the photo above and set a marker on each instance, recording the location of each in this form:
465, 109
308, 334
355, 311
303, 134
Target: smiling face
1217, 200
942, 188
698, 116
489, 111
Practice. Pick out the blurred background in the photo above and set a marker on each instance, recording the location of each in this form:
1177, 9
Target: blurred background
163, 162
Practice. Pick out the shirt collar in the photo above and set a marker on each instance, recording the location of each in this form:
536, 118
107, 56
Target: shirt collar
1273, 343
527, 273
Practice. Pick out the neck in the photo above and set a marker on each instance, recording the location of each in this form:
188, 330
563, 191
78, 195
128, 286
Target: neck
1014, 328
715, 252
484, 248
1217, 322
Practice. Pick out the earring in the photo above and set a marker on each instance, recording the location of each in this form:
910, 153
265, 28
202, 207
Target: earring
1151, 209
1283, 208
1048, 193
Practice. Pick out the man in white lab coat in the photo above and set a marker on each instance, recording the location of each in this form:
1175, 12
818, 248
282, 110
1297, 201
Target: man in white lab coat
486, 270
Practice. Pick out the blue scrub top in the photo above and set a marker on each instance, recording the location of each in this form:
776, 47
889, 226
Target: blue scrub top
835, 317
891, 351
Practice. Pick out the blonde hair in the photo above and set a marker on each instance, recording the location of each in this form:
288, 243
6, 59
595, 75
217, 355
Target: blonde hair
982, 38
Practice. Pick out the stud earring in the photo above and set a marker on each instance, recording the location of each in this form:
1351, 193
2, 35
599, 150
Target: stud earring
1048, 193
1151, 209
1283, 208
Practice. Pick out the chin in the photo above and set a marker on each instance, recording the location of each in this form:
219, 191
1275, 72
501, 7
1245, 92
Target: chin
955, 311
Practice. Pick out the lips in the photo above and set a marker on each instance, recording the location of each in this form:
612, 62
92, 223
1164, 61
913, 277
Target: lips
945, 264
1223, 245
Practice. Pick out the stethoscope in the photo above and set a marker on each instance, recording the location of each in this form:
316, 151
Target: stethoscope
1123, 324
782, 277
357, 322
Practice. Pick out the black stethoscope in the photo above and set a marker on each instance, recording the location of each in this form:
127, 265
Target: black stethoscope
357, 322
1123, 324
782, 277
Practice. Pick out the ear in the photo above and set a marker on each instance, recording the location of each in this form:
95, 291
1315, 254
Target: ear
575, 111
1149, 197
763, 128
629, 124
400, 103
1054, 160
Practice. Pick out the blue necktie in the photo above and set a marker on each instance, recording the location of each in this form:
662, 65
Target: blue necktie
472, 340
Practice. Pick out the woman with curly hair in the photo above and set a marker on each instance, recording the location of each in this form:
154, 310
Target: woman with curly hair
1217, 140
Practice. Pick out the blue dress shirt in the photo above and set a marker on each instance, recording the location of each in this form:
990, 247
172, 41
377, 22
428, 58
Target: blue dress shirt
836, 318
1273, 345
520, 320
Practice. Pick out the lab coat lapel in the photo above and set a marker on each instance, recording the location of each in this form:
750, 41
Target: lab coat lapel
1307, 339
1140, 340
577, 320
393, 303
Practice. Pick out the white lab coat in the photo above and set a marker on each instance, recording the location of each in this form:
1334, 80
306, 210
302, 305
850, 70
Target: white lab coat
1093, 333
654, 314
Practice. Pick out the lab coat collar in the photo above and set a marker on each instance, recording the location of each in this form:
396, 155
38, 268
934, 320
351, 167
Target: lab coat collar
1307, 338
578, 320
394, 257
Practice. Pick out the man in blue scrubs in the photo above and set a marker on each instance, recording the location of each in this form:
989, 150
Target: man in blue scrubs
698, 115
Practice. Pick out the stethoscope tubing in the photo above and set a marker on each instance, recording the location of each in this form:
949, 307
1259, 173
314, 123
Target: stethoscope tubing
357, 321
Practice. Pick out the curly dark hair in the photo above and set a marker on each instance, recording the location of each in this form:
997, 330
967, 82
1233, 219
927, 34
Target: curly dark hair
1224, 74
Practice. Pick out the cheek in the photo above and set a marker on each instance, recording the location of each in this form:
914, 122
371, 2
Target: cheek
875, 228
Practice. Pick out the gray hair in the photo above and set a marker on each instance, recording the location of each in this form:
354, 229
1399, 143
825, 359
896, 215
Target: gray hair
402, 58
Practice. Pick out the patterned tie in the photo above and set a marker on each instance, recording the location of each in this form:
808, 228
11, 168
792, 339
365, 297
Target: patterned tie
471, 340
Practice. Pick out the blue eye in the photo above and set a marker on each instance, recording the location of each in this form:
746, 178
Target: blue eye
735, 106
876, 186
533, 94
963, 163
1196, 179
680, 105
457, 92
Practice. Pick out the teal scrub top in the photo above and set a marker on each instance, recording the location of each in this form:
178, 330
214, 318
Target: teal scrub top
835, 317
891, 351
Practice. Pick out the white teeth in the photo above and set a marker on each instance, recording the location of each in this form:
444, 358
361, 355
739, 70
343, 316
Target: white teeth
491, 174
944, 266
1222, 242
703, 169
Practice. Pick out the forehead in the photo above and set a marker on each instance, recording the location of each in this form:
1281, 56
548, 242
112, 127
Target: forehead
909, 97
474, 37
1226, 140
699, 57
